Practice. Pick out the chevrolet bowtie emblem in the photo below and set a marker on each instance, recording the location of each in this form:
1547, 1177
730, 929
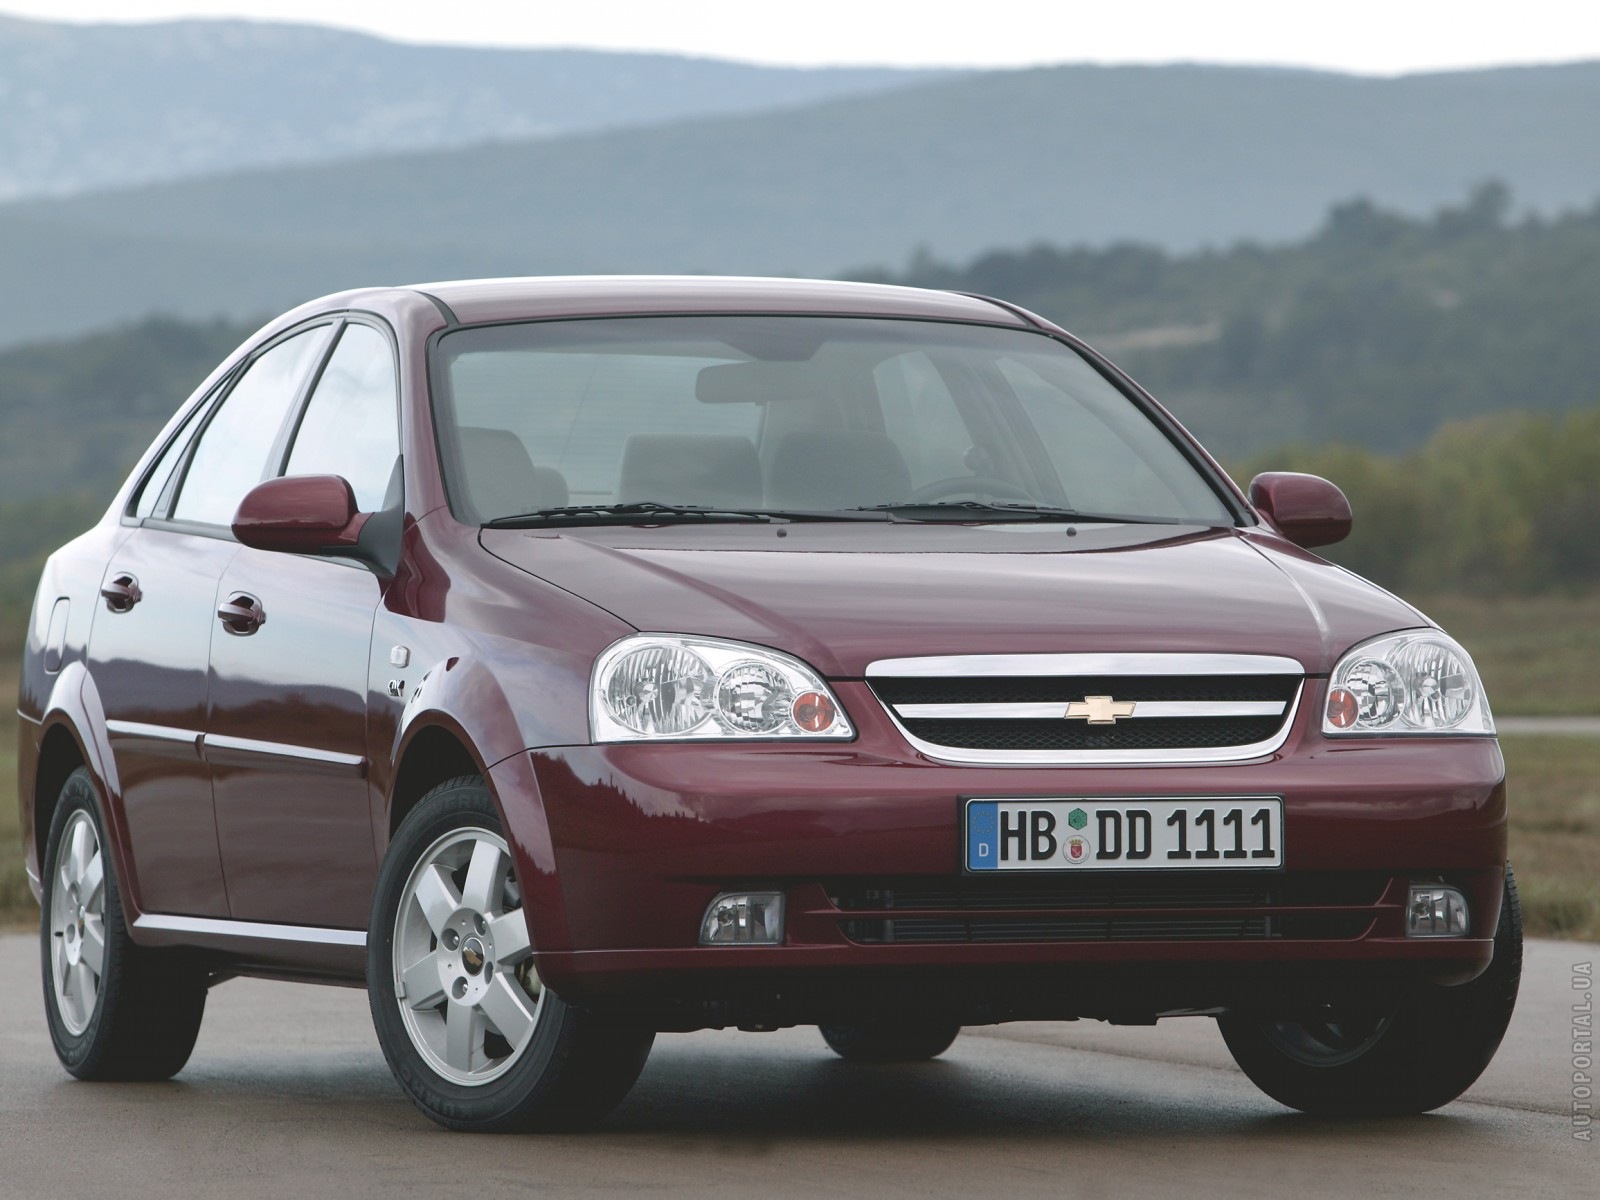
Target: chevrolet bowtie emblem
1099, 710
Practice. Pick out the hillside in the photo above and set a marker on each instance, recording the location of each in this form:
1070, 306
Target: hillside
98, 106
1180, 157
1374, 331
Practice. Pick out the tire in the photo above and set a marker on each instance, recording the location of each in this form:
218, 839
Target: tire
1417, 1056
116, 1010
882, 1042
468, 1030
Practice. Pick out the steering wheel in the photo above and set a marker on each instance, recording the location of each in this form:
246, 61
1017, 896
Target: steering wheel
976, 485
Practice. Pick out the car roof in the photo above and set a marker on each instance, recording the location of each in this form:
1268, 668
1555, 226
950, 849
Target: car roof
484, 301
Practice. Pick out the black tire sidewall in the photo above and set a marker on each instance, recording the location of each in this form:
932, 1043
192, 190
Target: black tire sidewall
905, 1041
512, 1100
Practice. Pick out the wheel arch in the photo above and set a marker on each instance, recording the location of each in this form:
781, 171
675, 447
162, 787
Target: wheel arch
433, 753
435, 747
72, 734
60, 754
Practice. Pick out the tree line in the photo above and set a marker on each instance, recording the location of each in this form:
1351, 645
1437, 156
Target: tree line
1376, 330
1506, 504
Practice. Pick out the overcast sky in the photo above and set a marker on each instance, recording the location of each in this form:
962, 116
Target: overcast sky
1371, 36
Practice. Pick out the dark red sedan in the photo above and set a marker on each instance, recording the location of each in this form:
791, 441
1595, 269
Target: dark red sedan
572, 660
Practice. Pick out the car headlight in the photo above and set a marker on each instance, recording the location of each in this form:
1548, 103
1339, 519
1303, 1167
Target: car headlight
665, 687
1417, 682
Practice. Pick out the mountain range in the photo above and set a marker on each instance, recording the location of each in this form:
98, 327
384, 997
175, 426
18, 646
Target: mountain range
109, 105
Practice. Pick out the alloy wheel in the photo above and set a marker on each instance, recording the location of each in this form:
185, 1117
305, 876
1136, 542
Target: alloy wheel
464, 980
77, 923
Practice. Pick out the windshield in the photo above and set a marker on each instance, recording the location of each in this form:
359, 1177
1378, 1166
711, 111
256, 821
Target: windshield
797, 415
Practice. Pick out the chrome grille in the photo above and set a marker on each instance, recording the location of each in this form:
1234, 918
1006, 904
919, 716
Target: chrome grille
1090, 707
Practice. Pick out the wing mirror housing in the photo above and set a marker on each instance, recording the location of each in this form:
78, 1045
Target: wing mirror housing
302, 514
1306, 509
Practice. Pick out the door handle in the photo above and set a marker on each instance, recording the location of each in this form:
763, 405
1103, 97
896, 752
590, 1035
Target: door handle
121, 593
242, 615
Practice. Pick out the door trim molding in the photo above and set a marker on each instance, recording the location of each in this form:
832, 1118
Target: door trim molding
237, 751
251, 930
224, 748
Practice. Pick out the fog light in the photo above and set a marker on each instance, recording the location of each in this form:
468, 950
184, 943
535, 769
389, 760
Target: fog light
743, 919
1436, 911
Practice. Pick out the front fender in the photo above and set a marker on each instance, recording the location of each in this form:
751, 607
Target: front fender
464, 698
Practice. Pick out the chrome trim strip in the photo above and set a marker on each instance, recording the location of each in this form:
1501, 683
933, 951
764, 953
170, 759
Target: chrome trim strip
1089, 758
332, 758
1057, 710
216, 927
156, 733
956, 665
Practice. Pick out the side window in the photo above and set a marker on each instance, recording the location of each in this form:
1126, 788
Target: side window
231, 457
156, 482
351, 426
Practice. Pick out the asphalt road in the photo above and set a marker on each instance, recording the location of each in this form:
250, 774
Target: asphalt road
287, 1095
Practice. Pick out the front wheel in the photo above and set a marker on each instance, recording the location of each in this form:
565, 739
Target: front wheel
1409, 1057
467, 1027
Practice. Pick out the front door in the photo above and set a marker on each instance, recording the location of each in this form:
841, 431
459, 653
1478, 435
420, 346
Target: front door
286, 737
286, 730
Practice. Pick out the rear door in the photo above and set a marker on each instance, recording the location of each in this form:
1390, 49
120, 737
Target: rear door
286, 731
150, 645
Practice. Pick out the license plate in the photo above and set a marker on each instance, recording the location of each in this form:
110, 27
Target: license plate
1086, 834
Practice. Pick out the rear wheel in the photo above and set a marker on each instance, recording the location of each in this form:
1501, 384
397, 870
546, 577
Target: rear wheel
468, 1028
884, 1041
1408, 1057
116, 1010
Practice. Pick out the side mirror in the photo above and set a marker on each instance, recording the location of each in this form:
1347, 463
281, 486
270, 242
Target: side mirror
300, 514
1306, 509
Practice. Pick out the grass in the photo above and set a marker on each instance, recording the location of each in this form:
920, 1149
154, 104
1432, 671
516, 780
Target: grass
1555, 831
1539, 655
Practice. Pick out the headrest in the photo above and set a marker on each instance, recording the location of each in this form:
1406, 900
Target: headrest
719, 471
500, 477
837, 468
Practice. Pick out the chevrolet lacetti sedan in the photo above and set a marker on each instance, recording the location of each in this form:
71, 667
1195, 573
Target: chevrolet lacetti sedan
572, 660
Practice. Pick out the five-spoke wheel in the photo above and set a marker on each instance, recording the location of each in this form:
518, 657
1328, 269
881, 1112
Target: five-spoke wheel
467, 1026
465, 987
116, 1010
77, 922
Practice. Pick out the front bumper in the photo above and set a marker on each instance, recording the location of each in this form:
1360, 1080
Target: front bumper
641, 837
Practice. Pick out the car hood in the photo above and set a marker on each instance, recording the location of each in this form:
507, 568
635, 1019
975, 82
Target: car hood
841, 595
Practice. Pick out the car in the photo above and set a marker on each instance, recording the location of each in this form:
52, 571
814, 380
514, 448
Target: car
569, 661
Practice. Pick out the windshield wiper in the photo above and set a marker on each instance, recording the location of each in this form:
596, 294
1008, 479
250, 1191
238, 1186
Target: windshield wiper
1035, 512
649, 512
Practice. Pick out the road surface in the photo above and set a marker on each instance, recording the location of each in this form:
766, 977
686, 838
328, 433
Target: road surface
287, 1095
